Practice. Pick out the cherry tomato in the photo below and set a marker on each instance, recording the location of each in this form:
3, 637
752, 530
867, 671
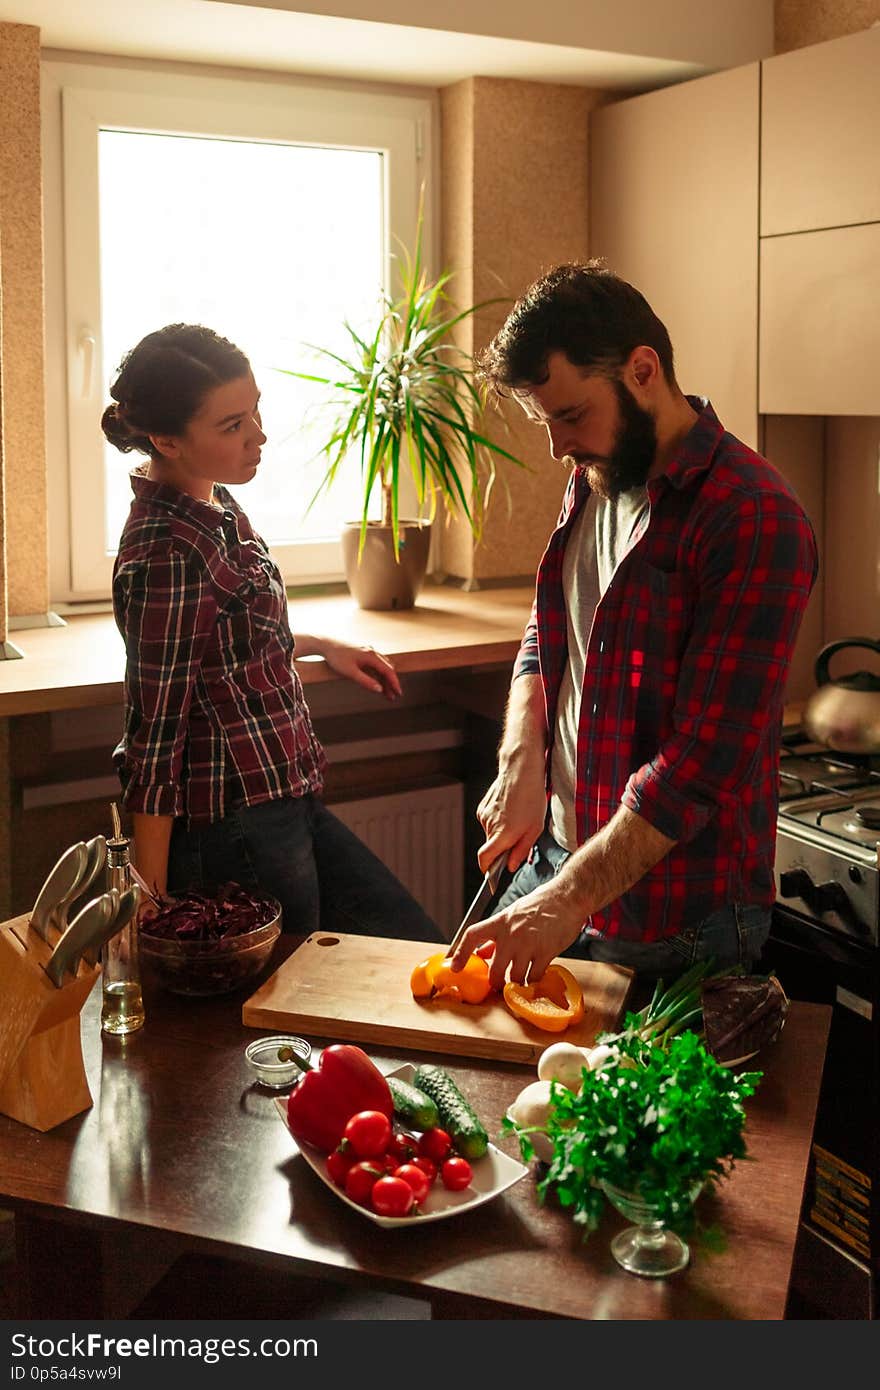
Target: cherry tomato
418, 1181
435, 1144
456, 1174
360, 1180
338, 1164
428, 1168
404, 1146
392, 1197
368, 1133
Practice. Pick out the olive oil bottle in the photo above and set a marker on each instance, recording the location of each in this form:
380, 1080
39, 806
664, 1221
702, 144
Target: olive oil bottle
122, 1006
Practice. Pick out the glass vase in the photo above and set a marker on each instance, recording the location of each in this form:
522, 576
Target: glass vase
648, 1247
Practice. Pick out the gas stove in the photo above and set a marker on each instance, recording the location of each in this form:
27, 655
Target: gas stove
828, 839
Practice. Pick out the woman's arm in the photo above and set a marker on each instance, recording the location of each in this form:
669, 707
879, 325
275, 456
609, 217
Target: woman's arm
152, 837
363, 665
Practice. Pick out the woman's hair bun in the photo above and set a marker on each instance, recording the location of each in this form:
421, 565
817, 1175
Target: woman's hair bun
115, 429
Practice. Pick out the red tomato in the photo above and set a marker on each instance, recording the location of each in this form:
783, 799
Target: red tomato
403, 1146
360, 1180
368, 1132
392, 1197
428, 1168
418, 1181
338, 1164
435, 1144
456, 1174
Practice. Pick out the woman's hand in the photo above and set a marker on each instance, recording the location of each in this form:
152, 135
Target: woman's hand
363, 665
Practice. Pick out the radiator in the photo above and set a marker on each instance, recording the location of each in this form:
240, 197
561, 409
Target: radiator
420, 836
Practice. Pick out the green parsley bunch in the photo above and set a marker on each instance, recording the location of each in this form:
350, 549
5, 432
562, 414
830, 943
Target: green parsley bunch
655, 1121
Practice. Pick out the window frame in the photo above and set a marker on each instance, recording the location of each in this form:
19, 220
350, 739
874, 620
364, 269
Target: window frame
79, 99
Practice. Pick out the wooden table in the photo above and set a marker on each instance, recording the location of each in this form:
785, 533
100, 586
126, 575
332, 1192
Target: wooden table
181, 1153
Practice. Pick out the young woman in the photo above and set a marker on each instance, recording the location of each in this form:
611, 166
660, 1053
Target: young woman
219, 763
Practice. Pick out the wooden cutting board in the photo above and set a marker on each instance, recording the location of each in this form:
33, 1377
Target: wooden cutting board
356, 989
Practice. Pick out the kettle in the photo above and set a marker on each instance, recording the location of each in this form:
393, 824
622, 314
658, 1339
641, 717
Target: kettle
844, 714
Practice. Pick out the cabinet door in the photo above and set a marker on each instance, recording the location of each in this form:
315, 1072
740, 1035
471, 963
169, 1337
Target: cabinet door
674, 210
820, 135
820, 329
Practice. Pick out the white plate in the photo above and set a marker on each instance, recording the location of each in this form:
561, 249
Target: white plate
493, 1174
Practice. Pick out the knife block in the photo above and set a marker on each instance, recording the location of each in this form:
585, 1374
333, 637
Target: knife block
42, 1074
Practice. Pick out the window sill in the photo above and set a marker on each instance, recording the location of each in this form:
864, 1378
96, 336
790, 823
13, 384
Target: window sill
81, 664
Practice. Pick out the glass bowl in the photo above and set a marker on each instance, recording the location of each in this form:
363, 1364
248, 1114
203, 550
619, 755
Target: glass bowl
202, 968
263, 1059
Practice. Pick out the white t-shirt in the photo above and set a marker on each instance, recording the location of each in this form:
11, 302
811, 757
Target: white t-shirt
599, 539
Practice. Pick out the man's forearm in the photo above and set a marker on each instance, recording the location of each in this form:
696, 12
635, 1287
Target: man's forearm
524, 739
610, 863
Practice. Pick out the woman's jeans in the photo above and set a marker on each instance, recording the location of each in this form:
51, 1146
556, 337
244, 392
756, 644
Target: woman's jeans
300, 853
734, 935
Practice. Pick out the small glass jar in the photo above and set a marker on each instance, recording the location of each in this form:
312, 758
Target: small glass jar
270, 1064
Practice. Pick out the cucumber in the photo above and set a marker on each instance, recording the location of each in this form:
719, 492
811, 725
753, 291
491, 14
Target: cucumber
416, 1109
457, 1115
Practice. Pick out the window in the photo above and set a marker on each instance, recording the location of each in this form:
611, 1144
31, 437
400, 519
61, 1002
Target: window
265, 210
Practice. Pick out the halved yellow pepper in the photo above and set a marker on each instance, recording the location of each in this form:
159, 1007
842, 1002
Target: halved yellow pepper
421, 981
553, 1003
436, 976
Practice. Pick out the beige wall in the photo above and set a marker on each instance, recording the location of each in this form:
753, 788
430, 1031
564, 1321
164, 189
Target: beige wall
21, 343
802, 22
515, 163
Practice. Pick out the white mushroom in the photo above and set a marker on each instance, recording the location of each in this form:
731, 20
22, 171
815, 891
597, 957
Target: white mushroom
563, 1062
530, 1109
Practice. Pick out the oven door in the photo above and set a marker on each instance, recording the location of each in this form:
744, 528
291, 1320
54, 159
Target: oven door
843, 1182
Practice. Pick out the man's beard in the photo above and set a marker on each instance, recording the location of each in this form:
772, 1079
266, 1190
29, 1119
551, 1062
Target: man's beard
635, 447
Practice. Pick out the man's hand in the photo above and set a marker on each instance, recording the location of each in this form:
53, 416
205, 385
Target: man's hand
527, 935
512, 814
514, 809
535, 928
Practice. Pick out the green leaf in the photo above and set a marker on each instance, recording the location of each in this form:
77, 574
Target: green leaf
409, 380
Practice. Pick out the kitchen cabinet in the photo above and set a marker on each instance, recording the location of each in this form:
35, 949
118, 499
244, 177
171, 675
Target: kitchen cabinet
819, 329
820, 122
674, 210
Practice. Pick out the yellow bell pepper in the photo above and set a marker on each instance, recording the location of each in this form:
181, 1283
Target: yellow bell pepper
553, 1003
435, 976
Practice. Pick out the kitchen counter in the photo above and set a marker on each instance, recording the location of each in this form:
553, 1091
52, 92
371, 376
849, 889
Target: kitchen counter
82, 664
181, 1158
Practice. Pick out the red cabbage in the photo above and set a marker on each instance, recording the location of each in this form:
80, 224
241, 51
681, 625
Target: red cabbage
230, 911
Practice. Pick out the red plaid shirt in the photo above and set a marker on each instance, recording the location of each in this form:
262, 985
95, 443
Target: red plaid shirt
689, 649
214, 711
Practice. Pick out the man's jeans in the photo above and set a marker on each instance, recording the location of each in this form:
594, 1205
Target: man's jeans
734, 935
300, 853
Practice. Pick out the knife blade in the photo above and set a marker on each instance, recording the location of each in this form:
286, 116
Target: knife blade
480, 902
129, 902
94, 918
97, 858
60, 883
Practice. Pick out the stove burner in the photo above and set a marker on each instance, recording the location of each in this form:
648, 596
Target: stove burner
869, 816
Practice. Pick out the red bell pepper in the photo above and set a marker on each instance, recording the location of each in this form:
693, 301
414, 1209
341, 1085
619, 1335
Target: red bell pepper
322, 1103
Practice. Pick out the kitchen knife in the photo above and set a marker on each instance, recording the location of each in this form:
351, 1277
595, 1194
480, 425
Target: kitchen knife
97, 858
94, 918
480, 902
129, 902
60, 885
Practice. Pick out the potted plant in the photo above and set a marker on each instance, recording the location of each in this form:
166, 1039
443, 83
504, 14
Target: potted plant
404, 400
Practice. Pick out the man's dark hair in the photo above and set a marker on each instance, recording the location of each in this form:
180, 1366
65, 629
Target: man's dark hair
583, 310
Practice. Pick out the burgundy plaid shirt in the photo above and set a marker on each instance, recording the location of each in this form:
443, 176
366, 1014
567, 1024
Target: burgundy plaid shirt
214, 711
681, 709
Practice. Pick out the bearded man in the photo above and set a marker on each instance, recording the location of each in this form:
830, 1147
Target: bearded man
636, 793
